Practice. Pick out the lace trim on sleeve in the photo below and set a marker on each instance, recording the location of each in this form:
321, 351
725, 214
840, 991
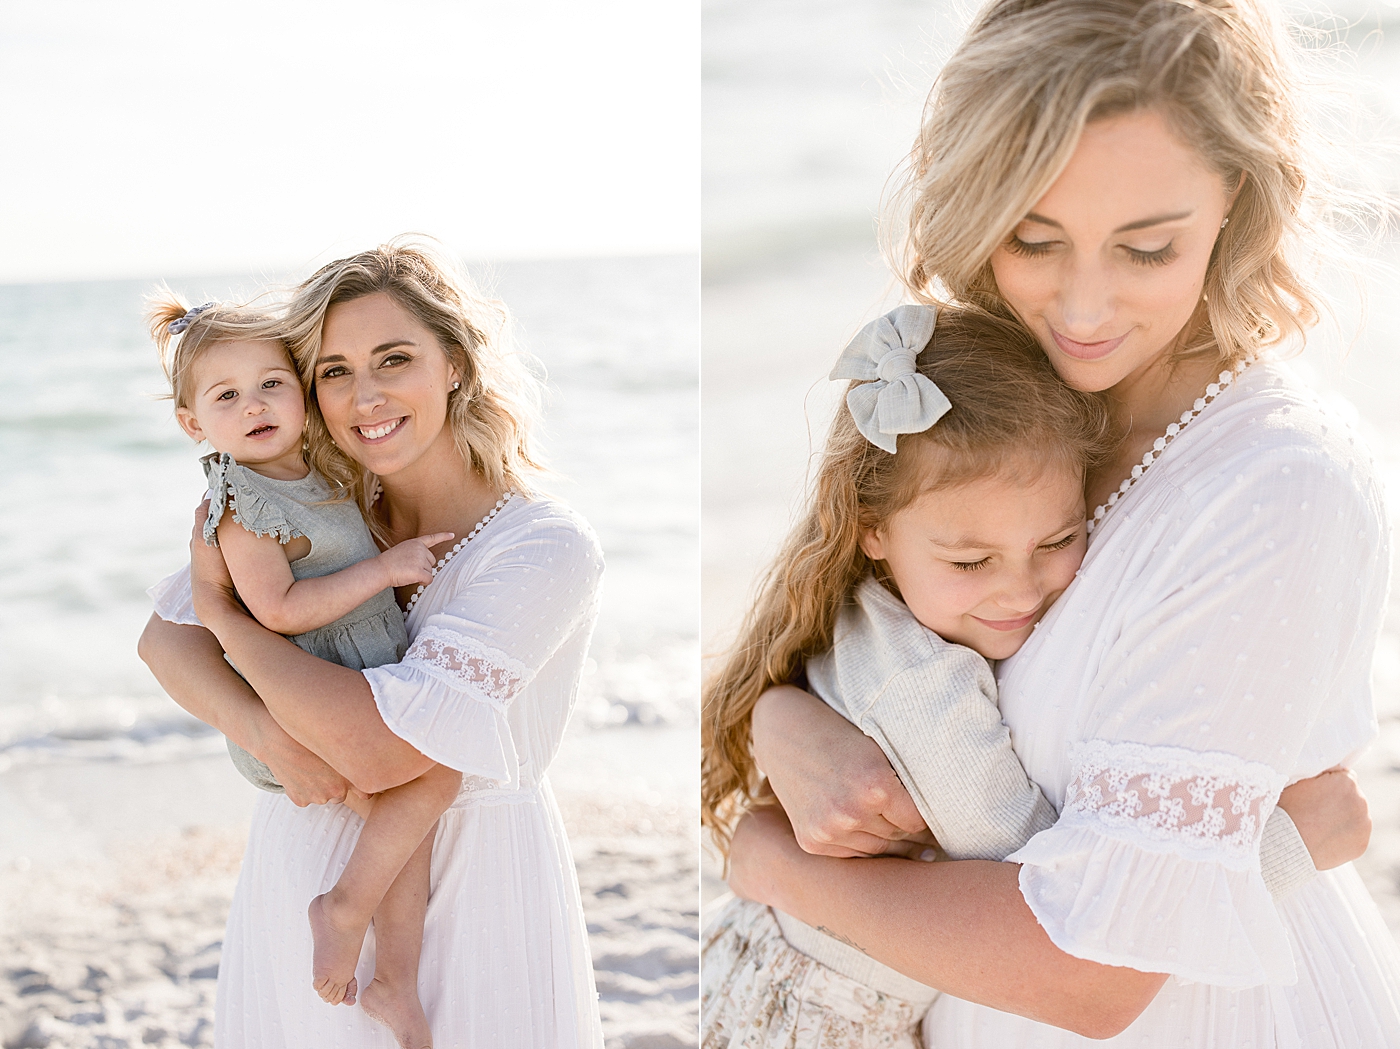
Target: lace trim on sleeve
467, 665
1206, 802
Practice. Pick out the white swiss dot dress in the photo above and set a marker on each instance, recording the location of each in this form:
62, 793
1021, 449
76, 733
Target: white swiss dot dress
1216, 646
498, 641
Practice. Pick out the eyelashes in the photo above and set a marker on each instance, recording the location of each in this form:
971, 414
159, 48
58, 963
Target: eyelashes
972, 566
1038, 249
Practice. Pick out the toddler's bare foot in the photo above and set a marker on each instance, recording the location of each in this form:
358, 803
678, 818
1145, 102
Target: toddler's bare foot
400, 1011
336, 951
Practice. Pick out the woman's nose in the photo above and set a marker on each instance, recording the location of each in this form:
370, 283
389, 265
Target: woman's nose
1086, 300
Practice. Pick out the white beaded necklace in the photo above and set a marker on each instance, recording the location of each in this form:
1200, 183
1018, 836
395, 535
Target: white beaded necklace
490, 515
1159, 445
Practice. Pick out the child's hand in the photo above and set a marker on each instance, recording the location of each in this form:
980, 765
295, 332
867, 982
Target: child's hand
412, 560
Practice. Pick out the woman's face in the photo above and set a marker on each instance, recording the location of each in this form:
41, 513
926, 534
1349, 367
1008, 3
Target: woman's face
382, 381
1108, 266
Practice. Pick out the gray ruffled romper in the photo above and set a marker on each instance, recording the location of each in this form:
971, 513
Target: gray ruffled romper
371, 635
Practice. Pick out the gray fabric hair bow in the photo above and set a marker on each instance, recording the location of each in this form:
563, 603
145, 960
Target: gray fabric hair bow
181, 323
900, 399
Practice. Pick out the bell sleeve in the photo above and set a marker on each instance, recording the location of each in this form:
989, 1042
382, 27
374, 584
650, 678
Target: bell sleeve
1243, 662
468, 663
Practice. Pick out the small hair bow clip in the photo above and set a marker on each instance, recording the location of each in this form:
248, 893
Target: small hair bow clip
181, 323
899, 399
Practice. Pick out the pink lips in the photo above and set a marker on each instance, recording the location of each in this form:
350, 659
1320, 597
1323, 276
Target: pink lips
1008, 624
1086, 351
261, 433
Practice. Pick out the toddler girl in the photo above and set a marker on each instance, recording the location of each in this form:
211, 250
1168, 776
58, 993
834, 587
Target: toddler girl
305, 565
947, 516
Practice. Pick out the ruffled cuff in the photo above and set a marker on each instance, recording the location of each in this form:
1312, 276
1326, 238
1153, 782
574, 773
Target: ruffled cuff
174, 598
1124, 903
461, 728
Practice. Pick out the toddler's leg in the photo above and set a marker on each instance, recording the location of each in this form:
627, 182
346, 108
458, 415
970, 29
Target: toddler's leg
392, 996
394, 830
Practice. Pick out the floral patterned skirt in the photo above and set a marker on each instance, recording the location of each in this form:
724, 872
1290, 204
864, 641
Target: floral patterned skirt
757, 991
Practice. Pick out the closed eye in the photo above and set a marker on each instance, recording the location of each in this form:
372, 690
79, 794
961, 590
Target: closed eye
1028, 248
971, 566
1060, 544
1160, 257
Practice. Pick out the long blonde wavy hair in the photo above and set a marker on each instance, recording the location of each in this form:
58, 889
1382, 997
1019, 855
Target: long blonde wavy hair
492, 415
1007, 111
1007, 406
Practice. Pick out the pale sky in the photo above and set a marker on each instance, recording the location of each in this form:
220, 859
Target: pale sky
166, 138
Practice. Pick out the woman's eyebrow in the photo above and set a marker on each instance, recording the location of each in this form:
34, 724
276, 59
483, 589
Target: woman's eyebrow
1155, 220
378, 349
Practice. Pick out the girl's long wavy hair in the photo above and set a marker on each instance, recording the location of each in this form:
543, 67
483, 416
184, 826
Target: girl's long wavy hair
492, 415
1010, 415
1007, 111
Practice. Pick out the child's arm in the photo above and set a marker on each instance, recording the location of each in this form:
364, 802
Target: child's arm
263, 577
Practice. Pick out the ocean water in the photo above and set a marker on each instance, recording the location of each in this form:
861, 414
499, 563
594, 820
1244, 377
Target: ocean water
101, 487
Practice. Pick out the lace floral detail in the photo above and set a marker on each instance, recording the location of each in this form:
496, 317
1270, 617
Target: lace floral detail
468, 665
1198, 800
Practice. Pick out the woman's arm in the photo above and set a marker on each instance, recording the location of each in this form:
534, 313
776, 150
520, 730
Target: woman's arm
844, 799
327, 708
259, 568
971, 933
190, 666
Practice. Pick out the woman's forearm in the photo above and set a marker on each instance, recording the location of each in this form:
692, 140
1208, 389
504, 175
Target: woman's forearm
328, 708
964, 928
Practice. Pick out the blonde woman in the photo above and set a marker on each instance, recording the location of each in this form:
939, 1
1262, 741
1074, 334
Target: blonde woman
417, 412
1126, 177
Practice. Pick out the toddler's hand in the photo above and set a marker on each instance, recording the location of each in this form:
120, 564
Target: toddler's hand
412, 560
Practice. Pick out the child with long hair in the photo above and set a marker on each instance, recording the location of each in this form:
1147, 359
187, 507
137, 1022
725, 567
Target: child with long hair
947, 515
305, 565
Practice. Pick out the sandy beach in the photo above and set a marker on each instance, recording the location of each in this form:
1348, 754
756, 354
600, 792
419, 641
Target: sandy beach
113, 938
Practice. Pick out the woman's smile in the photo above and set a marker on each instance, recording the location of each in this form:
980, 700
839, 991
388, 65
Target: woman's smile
1086, 351
375, 433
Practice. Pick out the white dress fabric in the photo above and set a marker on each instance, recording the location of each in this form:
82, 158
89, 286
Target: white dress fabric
498, 641
1216, 646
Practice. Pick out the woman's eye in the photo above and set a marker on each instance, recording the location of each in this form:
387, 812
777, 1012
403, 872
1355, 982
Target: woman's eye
971, 566
335, 371
1160, 257
1032, 249
395, 358
1060, 544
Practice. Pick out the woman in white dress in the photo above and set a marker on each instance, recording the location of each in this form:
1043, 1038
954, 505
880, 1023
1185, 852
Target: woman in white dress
1124, 176
411, 389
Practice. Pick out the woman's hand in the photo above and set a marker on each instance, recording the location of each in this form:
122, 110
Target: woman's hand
211, 586
837, 787
1331, 815
307, 779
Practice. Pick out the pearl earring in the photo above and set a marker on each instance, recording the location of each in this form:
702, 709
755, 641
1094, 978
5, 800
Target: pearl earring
1225, 222
456, 385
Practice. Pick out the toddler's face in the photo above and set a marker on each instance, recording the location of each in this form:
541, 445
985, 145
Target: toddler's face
980, 564
247, 402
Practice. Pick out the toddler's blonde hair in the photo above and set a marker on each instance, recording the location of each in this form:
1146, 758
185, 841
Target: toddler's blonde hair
221, 322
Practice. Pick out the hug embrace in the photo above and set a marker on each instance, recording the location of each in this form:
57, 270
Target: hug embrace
371, 498
1083, 607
